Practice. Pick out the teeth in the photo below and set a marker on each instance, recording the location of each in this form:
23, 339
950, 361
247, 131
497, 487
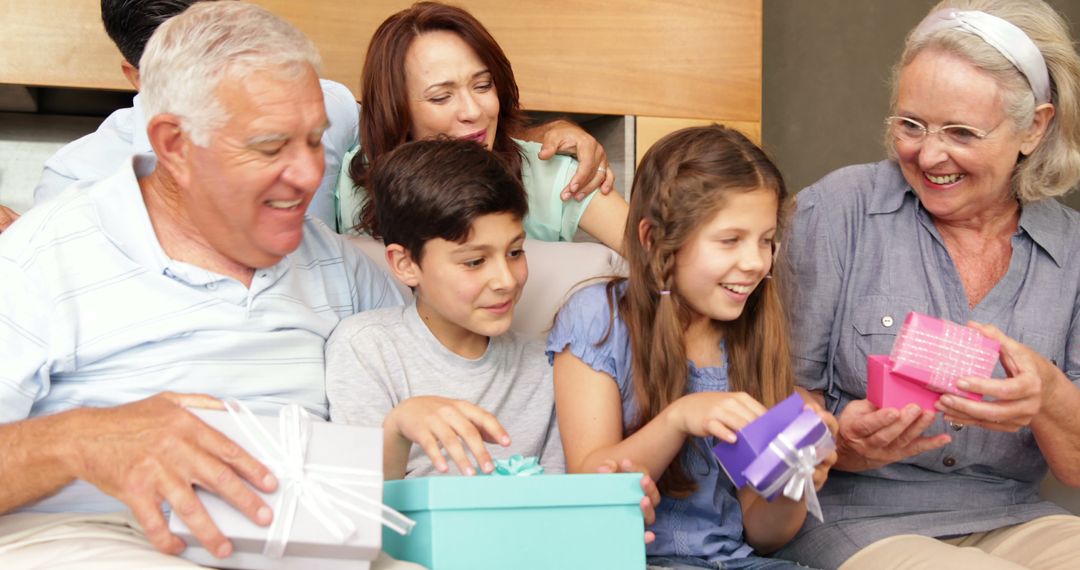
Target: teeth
283, 204
740, 289
948, 179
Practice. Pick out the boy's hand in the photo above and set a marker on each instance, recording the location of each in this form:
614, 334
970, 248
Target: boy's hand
652, 495
719, 414
435, 423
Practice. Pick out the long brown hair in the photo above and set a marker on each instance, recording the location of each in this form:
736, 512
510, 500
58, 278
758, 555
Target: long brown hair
385, 120
681, 183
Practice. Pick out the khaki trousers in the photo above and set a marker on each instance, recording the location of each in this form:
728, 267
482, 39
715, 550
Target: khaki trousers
96, 542
1047, 543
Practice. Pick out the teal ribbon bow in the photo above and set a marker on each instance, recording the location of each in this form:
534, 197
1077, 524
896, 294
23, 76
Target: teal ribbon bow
518, 466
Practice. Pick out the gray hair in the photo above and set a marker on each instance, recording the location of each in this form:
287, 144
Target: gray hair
1053, 168
188, 56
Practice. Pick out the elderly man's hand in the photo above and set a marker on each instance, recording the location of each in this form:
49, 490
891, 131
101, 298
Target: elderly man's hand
154, 450
593, 172
870, 438
1016, 400
7, 217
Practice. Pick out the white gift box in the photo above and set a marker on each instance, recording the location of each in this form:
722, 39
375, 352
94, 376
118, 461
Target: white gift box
329, 485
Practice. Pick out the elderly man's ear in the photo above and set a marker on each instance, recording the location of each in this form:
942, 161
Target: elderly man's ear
172, 147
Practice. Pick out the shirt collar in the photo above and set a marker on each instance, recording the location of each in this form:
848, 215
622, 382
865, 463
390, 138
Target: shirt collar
123, 216
1037, 220
890, 189
140, 142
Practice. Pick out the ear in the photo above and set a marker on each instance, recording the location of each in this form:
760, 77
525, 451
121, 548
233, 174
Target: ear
644, 233
172, 147
402, 265
1043, 115
131, 73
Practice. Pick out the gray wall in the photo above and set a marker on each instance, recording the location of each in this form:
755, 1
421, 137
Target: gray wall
826, 72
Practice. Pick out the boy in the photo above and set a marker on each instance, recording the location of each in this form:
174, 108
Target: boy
445, 372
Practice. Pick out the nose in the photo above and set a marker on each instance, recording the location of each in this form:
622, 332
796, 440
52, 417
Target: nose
508, 273
305, 170
933, 151
755, 256
469, 110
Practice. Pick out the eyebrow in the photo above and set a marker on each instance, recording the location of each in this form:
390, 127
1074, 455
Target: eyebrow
451, 83
259, 140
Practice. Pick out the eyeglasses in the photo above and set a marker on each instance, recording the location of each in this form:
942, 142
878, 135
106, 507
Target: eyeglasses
912, 131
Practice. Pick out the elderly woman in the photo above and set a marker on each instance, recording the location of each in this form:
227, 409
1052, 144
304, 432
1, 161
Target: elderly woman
434, 70
961, 224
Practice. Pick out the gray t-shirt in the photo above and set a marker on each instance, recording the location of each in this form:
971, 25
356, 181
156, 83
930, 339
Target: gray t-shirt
377, 359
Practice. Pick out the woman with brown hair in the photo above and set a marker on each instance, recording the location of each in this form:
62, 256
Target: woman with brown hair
434, 70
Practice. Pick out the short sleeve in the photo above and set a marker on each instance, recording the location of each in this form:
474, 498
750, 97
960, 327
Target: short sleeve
357, 385
550, 217
24, 336
581, 324
348, 198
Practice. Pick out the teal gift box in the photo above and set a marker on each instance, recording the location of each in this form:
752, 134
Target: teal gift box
525, 523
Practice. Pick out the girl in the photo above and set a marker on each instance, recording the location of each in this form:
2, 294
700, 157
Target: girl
688, 349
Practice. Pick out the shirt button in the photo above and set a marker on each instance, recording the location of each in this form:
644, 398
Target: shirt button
948, 461
886, 321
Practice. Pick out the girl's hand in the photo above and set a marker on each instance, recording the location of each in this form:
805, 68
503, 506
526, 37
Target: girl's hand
719, 414
869, 438
435, 423
652, 495
1017, 399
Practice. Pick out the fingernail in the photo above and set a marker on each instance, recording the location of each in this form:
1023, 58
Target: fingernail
963, 384
565, 195
224, 550
505, 440
730, 438
488, 467
603, 469
947, 400
574, 187
269, 482
264, 515
470, 471
580, 196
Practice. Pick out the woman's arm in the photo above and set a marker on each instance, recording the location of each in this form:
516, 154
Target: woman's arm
605, 219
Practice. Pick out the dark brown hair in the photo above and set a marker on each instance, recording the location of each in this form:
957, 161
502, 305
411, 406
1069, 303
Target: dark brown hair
436, 188
681, 184
385, 121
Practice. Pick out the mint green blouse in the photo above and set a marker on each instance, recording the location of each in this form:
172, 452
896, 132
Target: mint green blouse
550, 218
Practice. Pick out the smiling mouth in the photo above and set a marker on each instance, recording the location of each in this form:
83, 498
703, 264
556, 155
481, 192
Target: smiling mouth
284, 204
944, 180
739, 289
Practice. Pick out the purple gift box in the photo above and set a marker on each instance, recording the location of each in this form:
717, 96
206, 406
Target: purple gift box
778, 452
754, 439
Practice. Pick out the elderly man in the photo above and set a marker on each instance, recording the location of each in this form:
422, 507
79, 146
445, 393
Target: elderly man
124, 300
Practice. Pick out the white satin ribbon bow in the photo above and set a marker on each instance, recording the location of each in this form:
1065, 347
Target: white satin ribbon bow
798, 479
328, 492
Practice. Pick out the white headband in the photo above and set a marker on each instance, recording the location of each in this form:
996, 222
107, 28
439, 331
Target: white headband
1003, 35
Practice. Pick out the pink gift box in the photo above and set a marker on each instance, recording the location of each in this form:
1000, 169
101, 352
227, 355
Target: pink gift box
936, 353
887, 390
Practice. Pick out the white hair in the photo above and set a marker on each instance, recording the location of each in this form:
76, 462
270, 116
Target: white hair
1053, 169
188, 56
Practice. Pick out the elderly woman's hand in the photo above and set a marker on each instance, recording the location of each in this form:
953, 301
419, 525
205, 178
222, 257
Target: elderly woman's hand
7, 217
870, 438
1016, 400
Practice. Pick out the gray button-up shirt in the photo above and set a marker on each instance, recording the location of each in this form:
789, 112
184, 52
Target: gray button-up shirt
864, 253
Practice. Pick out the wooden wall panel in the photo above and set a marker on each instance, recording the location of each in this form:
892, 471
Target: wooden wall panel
652, 129
673, 58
